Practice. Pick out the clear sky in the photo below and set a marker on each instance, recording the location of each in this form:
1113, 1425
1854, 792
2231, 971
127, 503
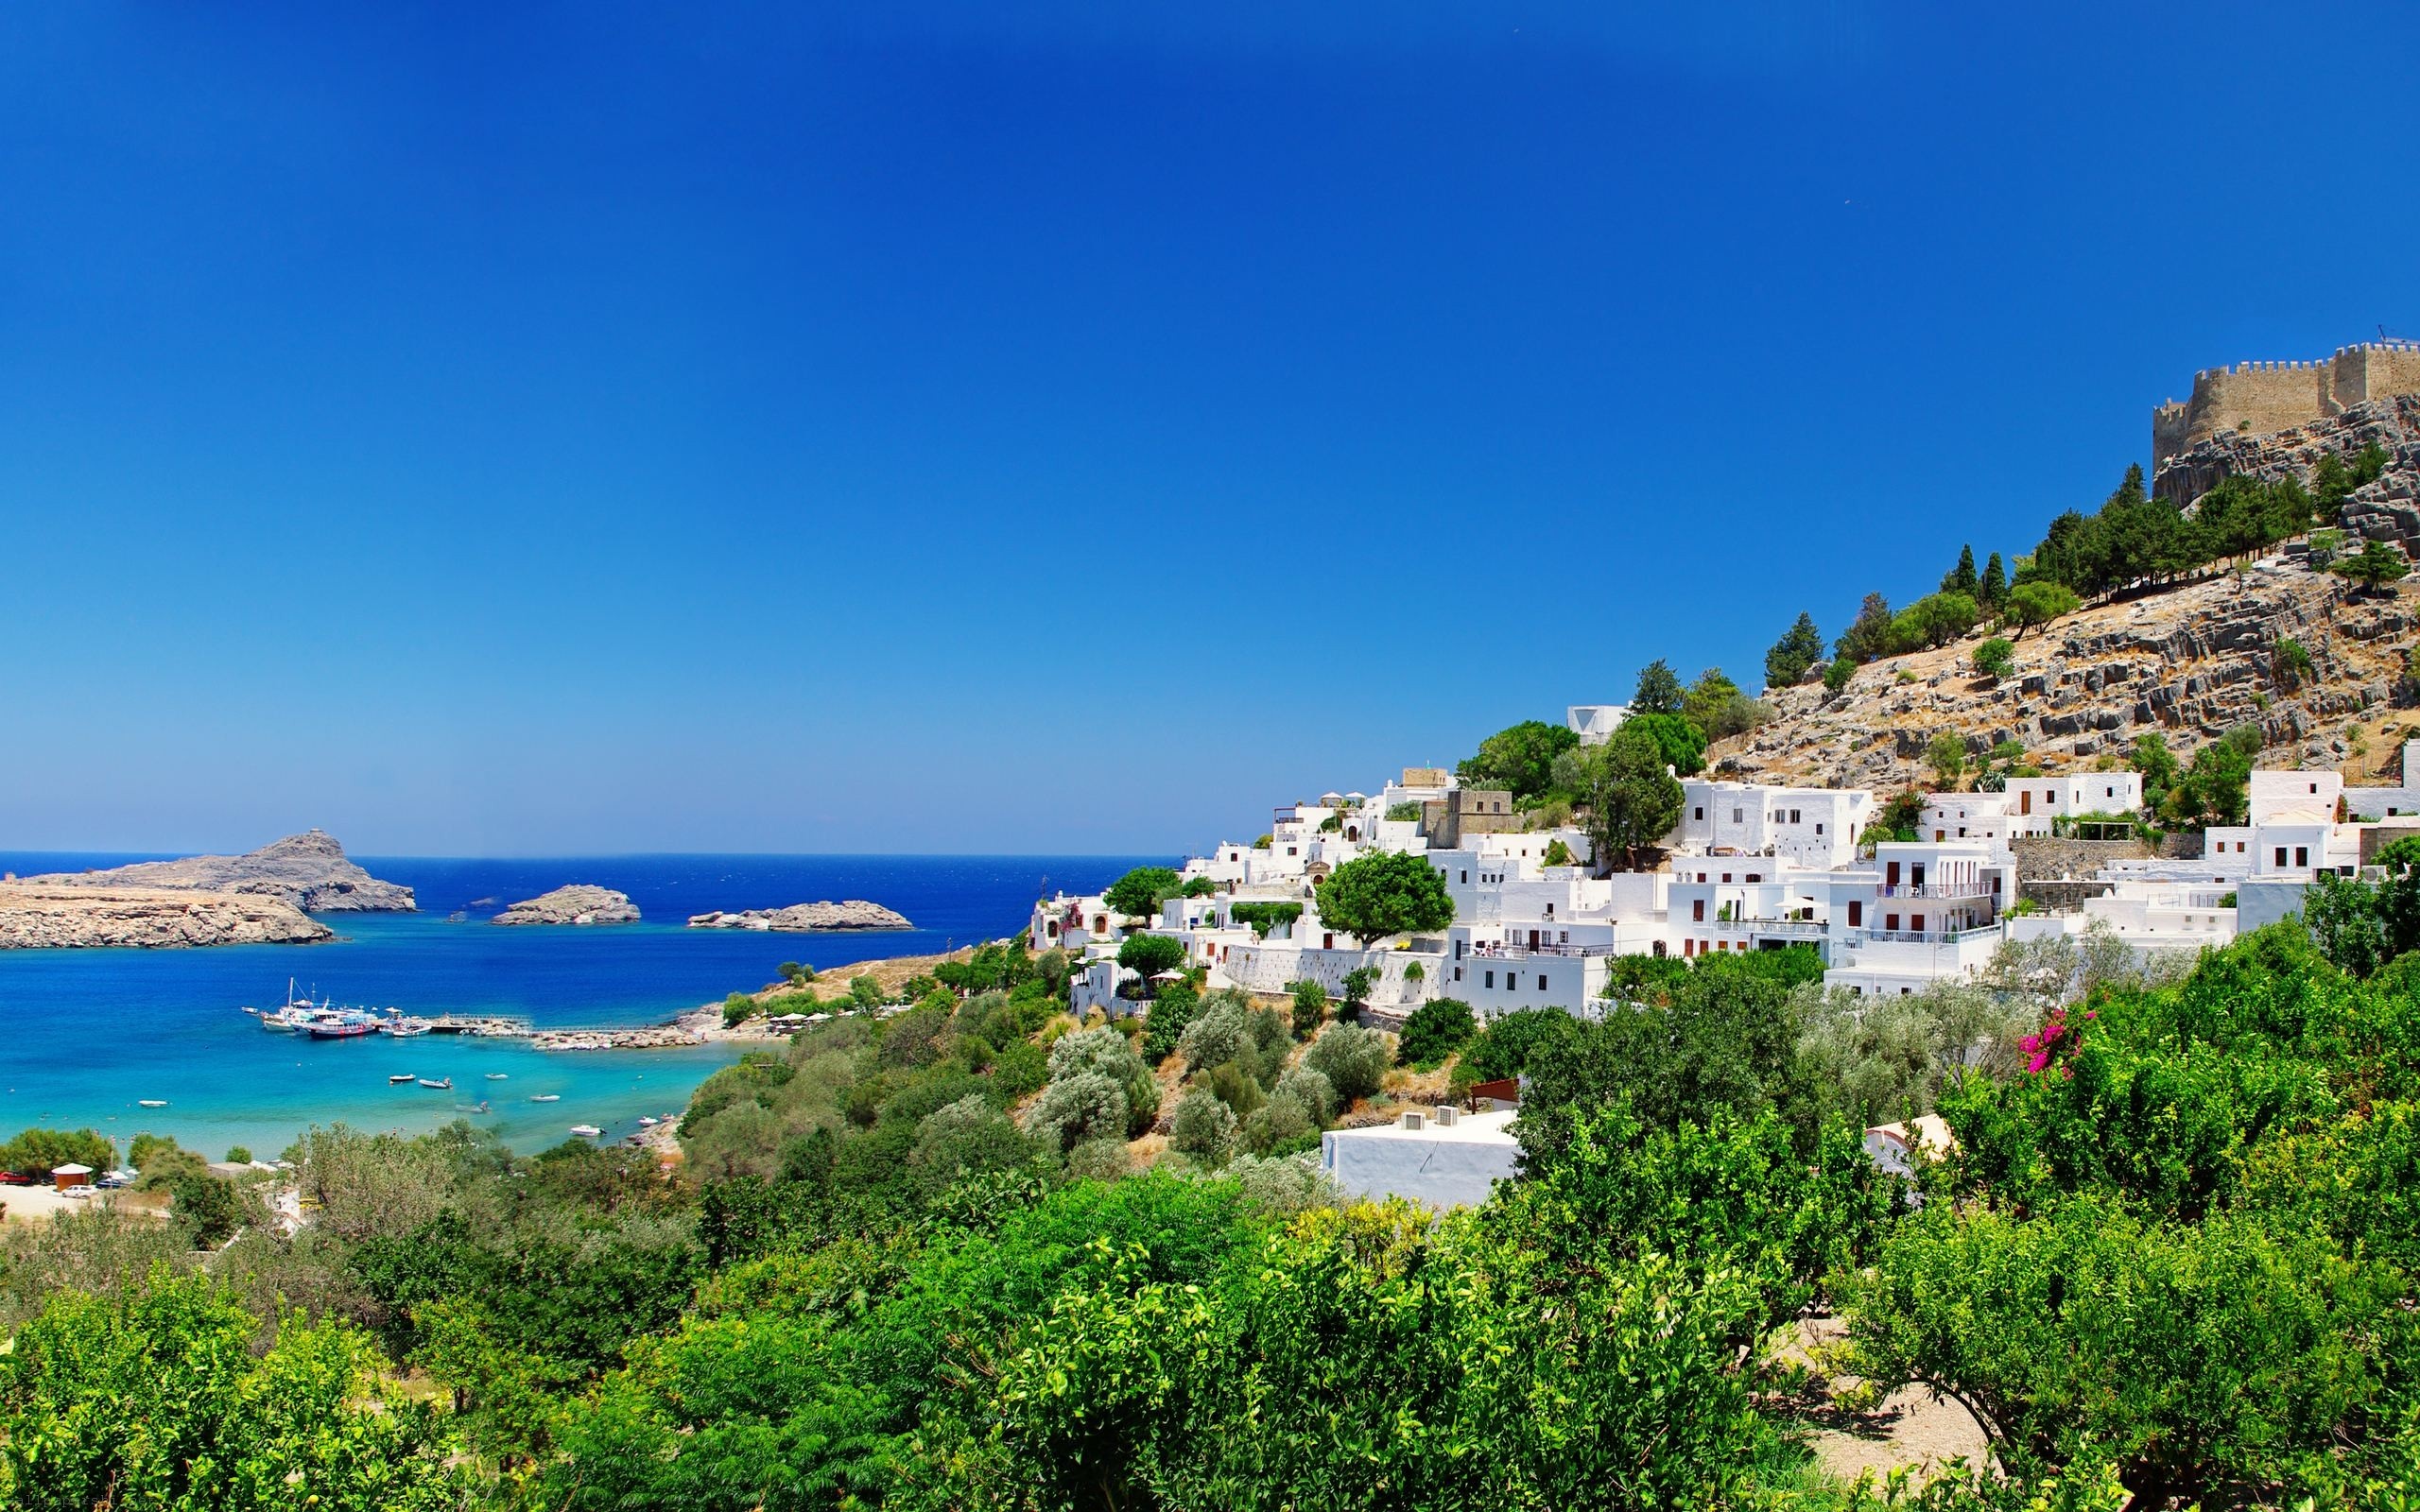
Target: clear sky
545, 429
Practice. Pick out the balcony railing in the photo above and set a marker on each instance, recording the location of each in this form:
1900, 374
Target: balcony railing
1507, 951
1936, 889
1922, 936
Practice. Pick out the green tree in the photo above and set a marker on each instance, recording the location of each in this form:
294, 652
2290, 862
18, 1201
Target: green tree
1995, 658
2156, 764
38, 1151
2373, 566
1310, 1007
1352, 1058
1630, 800
1946, 756
1868, 635
1799, 647
2038, 603
1993, 588
1679, 744
1139, 893
1435, 1030
1836, 676
2215, 788
1385, 893
1962, 578
1520, 759
1151, 954
1715, 705
1356, 984
1658, 692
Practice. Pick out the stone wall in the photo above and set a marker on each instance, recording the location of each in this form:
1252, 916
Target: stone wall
2264, 398
2047, 858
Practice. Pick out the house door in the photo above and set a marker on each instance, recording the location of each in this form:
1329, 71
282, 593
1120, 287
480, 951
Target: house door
2025, 801
1533, 940
1891, 877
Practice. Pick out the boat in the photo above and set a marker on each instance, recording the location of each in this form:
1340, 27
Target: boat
339, 1027
397, 1081
547, 1097
287, 1016
445, 1086
646, 1122
498, 1075
586, 1131
150, 1102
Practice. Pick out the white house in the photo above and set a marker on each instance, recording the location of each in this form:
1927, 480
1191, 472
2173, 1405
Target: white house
2034, 802
1594, 723
2294, 796
1967, 816
1812, 826
1444, 1159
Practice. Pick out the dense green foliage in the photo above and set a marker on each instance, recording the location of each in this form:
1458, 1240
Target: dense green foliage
1520, 759
909, 1264
1383, 893
1799, 647
1629, 800
1139, 893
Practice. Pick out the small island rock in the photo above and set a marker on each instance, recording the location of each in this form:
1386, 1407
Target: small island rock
855, 913
577, 903
309, 870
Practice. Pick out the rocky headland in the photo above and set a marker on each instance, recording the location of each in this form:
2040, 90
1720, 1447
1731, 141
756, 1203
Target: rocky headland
855, 913
579, 904
39, 915
308, 872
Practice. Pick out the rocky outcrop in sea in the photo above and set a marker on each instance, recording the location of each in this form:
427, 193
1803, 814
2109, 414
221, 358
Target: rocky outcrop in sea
579, 904
38, 914
855, 913
309, 872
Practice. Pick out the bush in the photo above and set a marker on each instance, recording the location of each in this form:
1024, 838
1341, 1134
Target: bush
1435, 1030
239, 1155
1995, 658
1202, 1127
1078, 1107
1352, 1059
38, 1151
1104, 1052
1165, 1020
1220, 1034
1836, 676
1308, 1090
1310, 1007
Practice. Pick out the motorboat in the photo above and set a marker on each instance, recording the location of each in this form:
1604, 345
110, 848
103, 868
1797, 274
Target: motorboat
646, 1120
547, 1097
586, 1131
498, 1075
445, 1086
397, 1081
150, 1102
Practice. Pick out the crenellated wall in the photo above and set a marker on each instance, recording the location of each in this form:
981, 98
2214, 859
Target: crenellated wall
2263, 397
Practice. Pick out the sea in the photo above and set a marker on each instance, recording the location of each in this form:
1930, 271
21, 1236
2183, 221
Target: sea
86, 1035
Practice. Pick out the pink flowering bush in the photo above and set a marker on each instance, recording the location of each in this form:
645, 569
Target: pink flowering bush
2055, 1043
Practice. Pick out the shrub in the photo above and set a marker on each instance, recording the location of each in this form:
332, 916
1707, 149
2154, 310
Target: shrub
1165, 1020
1217, 1036
736, 1009
1202, 1126
1310, 1007
1836, 676
1308, 1090
239, 1155
1075, 1109
1995, 658
1435, 1030
1352, 1058
1149, 955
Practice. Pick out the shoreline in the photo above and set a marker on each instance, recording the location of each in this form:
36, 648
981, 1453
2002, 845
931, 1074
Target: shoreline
704, 1025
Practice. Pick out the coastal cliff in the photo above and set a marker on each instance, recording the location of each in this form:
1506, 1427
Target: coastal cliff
855, 913
38, 914
308, 872
579, 904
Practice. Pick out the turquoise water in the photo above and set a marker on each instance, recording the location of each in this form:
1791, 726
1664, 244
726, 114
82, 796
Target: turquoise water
85, 1034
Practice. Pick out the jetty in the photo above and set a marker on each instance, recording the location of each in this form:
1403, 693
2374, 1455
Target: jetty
479, 1025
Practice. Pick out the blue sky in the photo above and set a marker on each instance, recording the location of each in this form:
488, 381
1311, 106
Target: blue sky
558, 429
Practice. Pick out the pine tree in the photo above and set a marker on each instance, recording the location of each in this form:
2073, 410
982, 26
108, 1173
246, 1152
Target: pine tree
1659, 690
1960, 579
1799, 647
1995, 584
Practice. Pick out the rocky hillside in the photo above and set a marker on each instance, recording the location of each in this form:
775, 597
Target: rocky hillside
2386, 509
35, 914
2191, 663
308, 870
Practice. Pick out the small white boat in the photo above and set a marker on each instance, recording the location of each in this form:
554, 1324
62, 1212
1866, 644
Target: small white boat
498, 1075
547, 1097
150, 1102
586, 1131
397, 1081
445, 1086
645, 1122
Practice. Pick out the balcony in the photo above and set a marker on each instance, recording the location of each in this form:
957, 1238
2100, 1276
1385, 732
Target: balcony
1510, 952
1922, 936
1936, 889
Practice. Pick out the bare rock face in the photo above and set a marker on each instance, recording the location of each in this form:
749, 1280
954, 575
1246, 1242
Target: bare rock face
854, 913
309, 872
38, 914
579, 904
2387, 508
2188, 663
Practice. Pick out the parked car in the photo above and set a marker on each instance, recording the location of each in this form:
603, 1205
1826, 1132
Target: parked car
18, 1178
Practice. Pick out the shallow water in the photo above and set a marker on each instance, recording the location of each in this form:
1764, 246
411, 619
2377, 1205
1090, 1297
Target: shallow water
85, 1034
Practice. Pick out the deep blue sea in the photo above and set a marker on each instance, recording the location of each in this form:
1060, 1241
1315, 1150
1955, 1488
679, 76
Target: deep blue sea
85, 1034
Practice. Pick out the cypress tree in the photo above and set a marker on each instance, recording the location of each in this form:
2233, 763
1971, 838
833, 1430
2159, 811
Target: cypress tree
1960, 579
1995, 584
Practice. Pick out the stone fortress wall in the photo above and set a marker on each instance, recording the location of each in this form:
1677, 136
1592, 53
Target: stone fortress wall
2263, 397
